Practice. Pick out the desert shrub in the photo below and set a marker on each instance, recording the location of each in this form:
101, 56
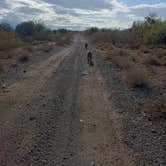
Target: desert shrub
150, 31
120, 58
160, 51
122, 62
136, 77
149, 59
156, 34
30, 30
47, 47
101, 37
145, 49
104, 45
24, 55
63, 39
120, 52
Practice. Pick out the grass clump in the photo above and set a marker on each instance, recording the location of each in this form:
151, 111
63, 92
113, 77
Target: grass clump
122, 62
47, 47
63, 40
148, 59
136, 77
24, 55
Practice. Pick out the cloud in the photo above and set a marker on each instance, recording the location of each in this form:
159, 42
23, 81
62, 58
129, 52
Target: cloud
82, 4
153, 6
77, 13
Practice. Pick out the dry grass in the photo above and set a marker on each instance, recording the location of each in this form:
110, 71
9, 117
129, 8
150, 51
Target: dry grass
63, 40
120, 52
46, 47
145, 49
104, 46
148, 59
120, 57
8, 54
101, 37
160, 51
122, 62
136, 77
24, 55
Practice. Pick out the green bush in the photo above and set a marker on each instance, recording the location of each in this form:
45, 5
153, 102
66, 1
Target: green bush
33, 30
150, 31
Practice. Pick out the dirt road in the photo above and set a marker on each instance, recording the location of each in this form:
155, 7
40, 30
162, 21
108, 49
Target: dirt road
59, 114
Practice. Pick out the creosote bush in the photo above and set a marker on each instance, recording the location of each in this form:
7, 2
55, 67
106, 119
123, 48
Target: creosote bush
24, 55
136, 77
149, 59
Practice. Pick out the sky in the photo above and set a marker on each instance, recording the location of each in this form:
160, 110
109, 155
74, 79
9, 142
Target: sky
80, 14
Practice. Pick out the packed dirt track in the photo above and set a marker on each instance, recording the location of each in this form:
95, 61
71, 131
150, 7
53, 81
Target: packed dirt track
60, 113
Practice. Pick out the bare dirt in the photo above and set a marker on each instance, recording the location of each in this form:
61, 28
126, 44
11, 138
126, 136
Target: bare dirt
61, 113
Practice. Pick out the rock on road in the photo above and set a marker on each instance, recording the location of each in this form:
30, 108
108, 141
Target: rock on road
58, 114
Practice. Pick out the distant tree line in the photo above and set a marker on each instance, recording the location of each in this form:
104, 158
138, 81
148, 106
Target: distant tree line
31, 30
37, 31
150, 31
26, 32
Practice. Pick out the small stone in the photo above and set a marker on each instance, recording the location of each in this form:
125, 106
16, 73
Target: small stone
32, 118
153, 131
94, 125
92, 163
3, 86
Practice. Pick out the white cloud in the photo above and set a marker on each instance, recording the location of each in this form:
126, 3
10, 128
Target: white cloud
143, 6
83, 13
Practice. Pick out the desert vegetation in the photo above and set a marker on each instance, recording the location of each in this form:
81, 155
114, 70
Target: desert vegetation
150, 31
8, 37
24, 55
140, 54
136, 77
27, 38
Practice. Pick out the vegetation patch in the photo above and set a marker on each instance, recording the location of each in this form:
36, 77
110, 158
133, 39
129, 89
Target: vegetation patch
63, 39
47, 47
151, 31
24, 55
136, 77
148, 59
